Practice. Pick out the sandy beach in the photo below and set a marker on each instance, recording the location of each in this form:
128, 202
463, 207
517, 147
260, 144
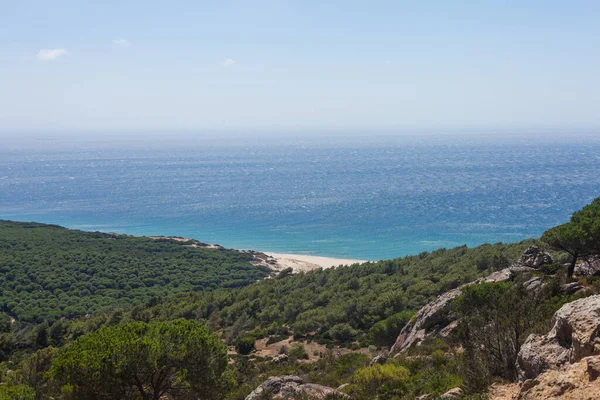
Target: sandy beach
276, 261
300, 262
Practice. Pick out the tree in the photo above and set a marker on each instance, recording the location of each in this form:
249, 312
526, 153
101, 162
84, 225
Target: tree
385, 332
580, 237
182, 359
588, 221
568, 238
245, 345
8, 392
32, 371
494, 321
41, 337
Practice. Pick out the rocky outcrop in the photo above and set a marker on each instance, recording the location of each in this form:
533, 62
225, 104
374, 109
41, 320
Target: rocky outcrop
428, 321
533, 257
533, 283
290, 387
576, 381
280, 359
571, 287
575, 334
455, 393
434, 318
589, 267
380, 359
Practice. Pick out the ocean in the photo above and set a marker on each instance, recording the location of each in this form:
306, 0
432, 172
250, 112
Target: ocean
364, 198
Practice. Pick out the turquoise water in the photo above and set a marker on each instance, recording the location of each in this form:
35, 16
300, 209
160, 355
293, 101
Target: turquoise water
359, 198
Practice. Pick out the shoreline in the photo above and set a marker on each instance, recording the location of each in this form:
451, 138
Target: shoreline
275, 261
301, 263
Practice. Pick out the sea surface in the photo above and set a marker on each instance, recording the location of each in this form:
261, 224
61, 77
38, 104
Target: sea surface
358, 197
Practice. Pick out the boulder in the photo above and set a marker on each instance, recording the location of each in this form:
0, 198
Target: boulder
572, 382
280, 358
574, 335
571, 287
455, 393
533, 283
380, 359
592, 367
343, 386
428, 321
290, 387
534, 257
590, 267
273, 385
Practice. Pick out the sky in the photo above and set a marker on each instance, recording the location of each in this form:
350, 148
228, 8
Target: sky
302, 66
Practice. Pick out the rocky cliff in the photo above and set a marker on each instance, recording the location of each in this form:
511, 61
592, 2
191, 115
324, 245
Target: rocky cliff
575, 334
434, 318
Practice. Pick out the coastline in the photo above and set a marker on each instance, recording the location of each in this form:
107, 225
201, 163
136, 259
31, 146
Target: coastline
276, 261
302, 263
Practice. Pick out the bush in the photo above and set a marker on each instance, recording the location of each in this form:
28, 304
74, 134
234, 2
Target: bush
342, 333
495, 319
245, 345
20, 392
4, 323
382, 381
139, 360
553, 269
384, 333
297, 351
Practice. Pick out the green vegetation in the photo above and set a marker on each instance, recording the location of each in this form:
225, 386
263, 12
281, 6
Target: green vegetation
407, 378
339, 305
47, 272
156, 306
181, 358
245, 345
496, 318
580, 237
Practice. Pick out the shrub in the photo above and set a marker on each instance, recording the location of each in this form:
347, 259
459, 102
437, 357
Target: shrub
297, 351
140, 360
552, 269
384, 333
8, 392
343, 333
245, 345
383, 381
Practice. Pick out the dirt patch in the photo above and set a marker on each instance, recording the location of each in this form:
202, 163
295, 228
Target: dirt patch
314, 350
504, 391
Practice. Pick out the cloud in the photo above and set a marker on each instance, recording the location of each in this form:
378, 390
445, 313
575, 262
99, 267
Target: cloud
51, 54
122, 42
228, 62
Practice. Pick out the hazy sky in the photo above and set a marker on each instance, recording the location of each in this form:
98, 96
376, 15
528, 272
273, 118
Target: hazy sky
299, 65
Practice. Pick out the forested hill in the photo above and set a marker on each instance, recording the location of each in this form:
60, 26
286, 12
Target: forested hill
47, 271
339, 304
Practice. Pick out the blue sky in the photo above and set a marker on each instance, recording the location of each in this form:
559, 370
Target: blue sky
249, 66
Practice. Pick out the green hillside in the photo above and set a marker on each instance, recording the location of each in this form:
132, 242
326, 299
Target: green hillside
47, 271
339, 304
165, 309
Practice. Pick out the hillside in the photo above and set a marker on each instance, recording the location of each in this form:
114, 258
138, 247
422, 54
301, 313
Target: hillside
47, 272
339, 304
460, 320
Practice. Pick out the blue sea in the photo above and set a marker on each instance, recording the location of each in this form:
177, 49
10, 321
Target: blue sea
360, 197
